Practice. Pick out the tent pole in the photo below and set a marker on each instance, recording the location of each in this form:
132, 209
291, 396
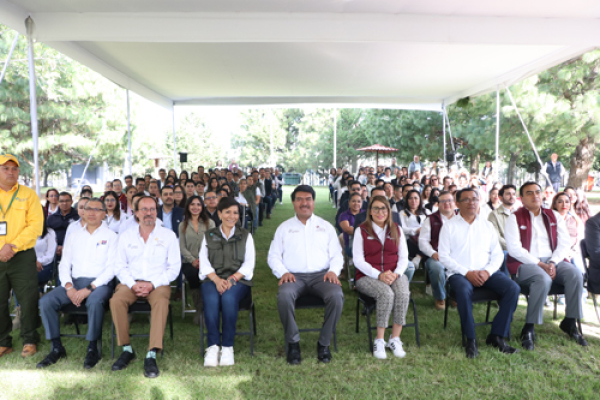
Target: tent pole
537, 156
12, 48
33, 102
444, 134
174, 141
335, 138
497, 130
128, 134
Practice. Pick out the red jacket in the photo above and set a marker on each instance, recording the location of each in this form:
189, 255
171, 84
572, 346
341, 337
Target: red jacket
383, 257
524, 224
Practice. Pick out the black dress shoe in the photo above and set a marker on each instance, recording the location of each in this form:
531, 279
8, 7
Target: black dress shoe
471, 348
527, 340
571, 330
91, 359
500, 344
150, 368
293, 353
123, 361
52, 357
323, 353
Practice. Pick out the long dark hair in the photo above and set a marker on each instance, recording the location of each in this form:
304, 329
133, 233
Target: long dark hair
187, 214
117, 211
184, 198
420, 210
210, 181
45, 229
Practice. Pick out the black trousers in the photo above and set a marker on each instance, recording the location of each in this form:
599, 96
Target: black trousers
191, 274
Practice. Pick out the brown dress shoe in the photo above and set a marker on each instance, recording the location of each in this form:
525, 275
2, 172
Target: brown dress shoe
5, 350
29, 350
440, 305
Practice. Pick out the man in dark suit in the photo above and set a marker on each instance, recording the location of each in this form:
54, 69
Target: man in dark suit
592, 241
170, 215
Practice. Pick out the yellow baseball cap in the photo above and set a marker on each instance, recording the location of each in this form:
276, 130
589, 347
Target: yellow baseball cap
4, 158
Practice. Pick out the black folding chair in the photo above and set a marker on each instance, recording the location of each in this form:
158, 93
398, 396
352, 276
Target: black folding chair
139, 307
369, 304
246, 304
72, 309
585, 256
480, 295
311, 301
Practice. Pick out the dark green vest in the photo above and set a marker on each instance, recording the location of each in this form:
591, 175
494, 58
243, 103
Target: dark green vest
227, 256
250, 196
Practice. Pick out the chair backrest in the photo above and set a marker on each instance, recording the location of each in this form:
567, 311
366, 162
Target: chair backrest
584, 255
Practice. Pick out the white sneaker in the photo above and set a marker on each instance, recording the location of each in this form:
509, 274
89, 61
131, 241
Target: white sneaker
211, 358
396, 345
379, 349
428, 290
416, 261
226, 356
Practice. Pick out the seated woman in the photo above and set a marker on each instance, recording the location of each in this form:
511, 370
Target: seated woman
127, 212
191, 233
494, 201
113, 211
45, 248
380, 258
179, 196
412, 218
227, 259
425, 194
562, 205
346, 220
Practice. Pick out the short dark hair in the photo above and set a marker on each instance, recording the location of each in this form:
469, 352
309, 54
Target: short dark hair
117, 180
67, 194
166, 187
303, 189
529, 183
460, 193
189, 181
128, 177
354, 183
407, 185
227, 202
506, 187
137, 180
162, 170
376, 188
138, 194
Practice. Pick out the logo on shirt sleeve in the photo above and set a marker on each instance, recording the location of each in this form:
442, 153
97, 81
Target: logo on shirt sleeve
523, 227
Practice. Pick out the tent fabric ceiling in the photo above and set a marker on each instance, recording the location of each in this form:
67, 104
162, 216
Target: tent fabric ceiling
375, 53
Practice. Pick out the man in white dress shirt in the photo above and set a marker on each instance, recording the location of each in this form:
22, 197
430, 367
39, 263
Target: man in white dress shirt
471, 253
86, 275
538, 244
147, 260
306, 257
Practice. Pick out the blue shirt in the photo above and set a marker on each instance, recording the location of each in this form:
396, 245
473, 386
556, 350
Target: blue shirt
167, 220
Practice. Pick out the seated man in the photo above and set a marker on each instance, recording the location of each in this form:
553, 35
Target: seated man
306, 257
147, 260
428, 244
538, 242
86, 275
498, 217
471, 253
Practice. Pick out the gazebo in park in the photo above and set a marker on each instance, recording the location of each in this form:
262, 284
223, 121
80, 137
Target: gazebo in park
377, 148
411, 54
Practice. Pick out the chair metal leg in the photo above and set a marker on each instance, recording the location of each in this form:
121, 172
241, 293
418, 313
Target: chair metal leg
251, 332
417, 336
446, 312
357, 312
183, 299
253, 319
555, 316
487, 313
368, 315
76, 324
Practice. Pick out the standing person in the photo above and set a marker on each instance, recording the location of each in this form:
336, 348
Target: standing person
86, 275
415, 166
429, 240
227, 259
21, 222
113, 211
538, 242
470, 251
162, 174
498, 217
191, 233
51, 206
381, 257
555, 171
306, 256
59, 222
278, 179
147, 261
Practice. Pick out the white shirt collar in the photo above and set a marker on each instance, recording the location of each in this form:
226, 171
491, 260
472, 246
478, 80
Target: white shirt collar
230, 233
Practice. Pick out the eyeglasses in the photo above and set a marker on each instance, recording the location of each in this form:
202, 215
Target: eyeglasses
52, 196
110, 200
94, 210
210, 198
446, 201
148, 210
379, 210
65, 201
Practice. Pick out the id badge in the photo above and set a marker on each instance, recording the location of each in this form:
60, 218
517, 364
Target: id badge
3, 228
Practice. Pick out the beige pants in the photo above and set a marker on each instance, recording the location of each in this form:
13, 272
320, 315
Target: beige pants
159, 303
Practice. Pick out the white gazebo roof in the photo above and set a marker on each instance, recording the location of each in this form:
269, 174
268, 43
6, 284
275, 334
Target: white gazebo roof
379, 53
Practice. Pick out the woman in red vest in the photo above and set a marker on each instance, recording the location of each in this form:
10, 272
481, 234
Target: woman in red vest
380, 256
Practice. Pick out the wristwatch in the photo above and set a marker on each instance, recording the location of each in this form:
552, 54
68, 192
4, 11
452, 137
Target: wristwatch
90, 288
232, 281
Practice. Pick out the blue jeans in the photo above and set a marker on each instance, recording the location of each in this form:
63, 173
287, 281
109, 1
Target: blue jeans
437, 276
255, 223
410, 271
226, 304
504, 268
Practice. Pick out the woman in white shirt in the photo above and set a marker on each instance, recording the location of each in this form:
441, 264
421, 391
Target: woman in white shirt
51, 202
128, 211
45, 249
113, 211
380, 257
412, 218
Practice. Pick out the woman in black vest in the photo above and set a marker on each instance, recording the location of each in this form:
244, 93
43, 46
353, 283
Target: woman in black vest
227, 258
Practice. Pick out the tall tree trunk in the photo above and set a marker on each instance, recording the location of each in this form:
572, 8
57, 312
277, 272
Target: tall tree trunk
512, 165
475, 164
46, 174
581, 162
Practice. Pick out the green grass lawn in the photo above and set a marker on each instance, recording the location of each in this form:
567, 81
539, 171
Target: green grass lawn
558, 368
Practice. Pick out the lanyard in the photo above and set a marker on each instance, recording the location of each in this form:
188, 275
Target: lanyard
9, 204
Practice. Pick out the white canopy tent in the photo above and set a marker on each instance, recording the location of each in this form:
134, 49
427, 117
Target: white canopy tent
412, 54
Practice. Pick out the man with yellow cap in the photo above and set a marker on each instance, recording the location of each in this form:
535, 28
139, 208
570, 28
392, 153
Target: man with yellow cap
21, 222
